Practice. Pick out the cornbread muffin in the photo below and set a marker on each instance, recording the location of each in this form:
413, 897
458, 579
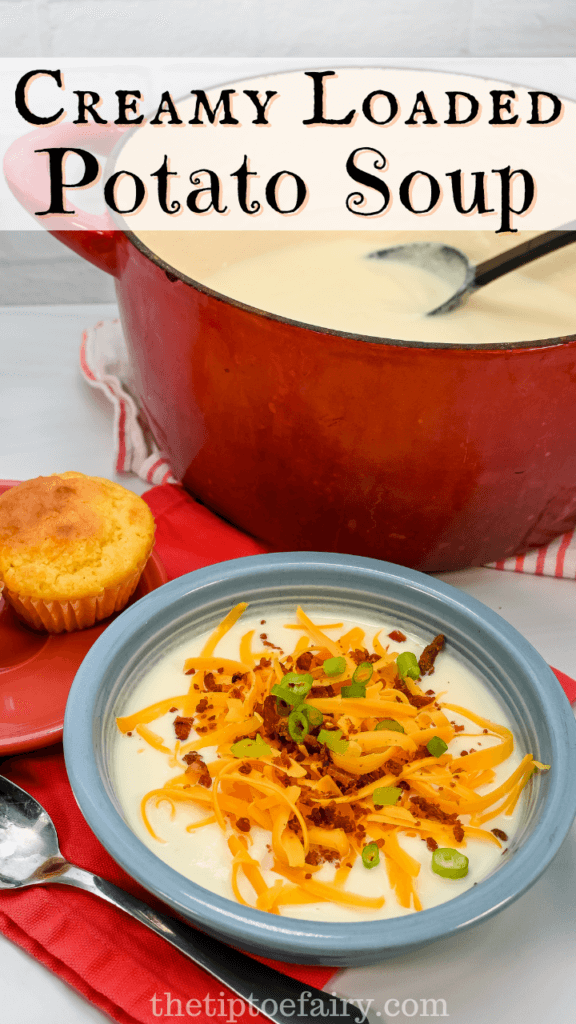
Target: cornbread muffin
72, 549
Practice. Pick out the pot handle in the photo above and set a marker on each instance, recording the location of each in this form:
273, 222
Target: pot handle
92, 236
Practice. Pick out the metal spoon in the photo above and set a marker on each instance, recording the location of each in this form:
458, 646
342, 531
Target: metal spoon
29, 855
454, 267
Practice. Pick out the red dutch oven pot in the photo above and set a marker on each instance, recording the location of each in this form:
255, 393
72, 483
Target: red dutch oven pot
312, 439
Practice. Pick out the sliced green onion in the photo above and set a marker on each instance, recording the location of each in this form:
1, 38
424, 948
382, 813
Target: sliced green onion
436, 747
389, 723
315, 717
386, 796
282, 708
363, 673
370, 855
449, 863
333, 740
334, 666
298, 725
251, 748
293, 688
355, 690
407, 664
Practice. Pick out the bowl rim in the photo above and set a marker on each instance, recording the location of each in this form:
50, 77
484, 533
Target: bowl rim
293, 938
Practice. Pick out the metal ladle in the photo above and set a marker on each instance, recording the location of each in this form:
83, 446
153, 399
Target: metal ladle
454, 267
29, 855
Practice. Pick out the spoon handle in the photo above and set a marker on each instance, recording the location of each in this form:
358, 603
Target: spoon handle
520, 255
282, 999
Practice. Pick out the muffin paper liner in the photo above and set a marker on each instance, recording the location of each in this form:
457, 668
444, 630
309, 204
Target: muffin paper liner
61, 616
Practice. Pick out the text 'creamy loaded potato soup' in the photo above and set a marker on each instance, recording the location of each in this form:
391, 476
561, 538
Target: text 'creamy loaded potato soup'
320, 768
327, 279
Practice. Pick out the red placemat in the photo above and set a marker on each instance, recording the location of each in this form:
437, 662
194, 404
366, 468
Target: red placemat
77, 936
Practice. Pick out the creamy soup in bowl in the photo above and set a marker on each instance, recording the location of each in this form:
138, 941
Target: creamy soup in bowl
381, 836
322, 809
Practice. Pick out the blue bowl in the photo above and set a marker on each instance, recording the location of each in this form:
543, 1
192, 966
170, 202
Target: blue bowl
516, 674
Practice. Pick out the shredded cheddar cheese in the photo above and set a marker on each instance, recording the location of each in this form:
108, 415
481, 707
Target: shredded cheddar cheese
301, 757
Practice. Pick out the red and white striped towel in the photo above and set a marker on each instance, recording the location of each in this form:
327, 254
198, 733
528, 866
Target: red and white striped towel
105, 365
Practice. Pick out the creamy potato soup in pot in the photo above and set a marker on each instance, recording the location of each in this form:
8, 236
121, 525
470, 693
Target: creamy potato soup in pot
322, 769
326, 279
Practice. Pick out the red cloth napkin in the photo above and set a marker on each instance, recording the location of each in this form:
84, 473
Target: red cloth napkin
112, 960
115, 962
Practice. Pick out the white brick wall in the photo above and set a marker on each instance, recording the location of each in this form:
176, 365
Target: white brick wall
287, 28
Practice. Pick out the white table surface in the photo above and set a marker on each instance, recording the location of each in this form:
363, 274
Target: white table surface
517, 968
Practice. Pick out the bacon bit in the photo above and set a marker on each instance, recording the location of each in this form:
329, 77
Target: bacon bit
243, 824
190, 672
265, 662
324, 691
358, 656
420, 702
245, 769
402, 784
304, 661
328, 856
236, 693
202, 706
421, 753
432, 811
458, 832
463, 753
485, 731
499, 834
172, 710
238, 677
429, 655
307, 875
263, 636
182, 727
128, 733
197, 766
294, 825
431, 693
397, 636
262, 622
270, 714
220, 670
431, 844
458, 728
414, 699
210, 684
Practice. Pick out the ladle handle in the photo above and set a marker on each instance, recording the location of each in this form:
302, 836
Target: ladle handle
521, 254
256, 983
